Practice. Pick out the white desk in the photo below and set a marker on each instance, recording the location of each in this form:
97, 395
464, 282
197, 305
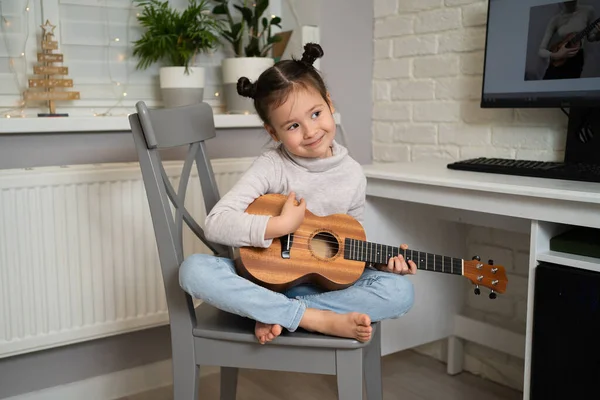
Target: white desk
427, 207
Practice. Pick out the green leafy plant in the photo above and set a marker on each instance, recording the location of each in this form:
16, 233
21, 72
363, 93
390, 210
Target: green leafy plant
173, 36
250, 35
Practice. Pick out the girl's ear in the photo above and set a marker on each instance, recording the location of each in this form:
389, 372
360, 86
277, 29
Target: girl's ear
271, 132
331, 107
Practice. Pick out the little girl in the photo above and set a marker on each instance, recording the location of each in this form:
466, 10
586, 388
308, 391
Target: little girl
292, 101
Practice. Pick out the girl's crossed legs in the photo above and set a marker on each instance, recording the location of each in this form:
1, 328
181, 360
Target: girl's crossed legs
348, 313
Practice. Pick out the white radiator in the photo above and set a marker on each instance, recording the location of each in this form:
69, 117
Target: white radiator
78, 258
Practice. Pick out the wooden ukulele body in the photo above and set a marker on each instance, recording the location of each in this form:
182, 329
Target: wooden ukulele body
314, 255
331, 252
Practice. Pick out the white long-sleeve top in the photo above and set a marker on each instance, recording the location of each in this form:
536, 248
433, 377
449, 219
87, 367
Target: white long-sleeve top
331, 185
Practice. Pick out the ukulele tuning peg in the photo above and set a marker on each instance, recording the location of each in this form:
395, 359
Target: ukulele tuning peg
476, 258
477, 291
491, 262
493, 295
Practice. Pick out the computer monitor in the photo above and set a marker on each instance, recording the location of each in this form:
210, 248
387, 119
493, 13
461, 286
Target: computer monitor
543, 53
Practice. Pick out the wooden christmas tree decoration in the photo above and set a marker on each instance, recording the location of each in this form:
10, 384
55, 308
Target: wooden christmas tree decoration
48, 83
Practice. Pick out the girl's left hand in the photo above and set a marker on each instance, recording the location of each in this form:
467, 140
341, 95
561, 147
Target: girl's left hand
398, 265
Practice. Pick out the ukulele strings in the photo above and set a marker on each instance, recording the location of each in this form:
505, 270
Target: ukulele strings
436, 265
438, 262
359, 249
315, 238
360, 243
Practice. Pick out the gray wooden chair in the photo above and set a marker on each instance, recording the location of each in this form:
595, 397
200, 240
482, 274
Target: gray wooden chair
205, 335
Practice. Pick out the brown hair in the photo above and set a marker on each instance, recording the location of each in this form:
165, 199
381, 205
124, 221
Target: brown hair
273, 86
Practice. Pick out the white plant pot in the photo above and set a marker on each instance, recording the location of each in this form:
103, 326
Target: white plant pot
234, 69
180, 89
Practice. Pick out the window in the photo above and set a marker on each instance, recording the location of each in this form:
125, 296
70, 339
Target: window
95, 37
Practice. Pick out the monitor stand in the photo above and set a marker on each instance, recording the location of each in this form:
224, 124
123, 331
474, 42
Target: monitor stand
583, 136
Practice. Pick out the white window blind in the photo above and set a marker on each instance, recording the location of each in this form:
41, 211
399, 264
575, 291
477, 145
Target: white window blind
17, 36
95, 37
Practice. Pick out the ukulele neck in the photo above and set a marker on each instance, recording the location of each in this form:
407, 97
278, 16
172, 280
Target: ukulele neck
584, 32
376, 253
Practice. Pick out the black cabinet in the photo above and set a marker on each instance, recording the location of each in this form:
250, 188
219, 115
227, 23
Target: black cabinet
565, 359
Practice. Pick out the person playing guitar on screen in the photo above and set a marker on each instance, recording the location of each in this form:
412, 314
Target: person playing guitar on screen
574, 25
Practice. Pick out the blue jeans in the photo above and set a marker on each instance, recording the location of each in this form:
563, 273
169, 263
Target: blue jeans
380, 295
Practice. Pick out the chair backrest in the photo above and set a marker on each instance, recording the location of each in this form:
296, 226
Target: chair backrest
157, 129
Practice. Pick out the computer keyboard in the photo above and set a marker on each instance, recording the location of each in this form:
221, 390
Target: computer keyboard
538, 169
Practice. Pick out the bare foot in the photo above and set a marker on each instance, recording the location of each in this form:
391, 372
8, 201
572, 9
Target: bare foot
352, 325
266, 332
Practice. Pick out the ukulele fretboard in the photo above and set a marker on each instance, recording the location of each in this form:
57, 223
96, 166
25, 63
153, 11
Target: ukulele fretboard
376, 253
584, 32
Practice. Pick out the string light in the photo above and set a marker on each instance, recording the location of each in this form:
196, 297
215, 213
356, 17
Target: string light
120, 58
19, 64
19, 104
122, 83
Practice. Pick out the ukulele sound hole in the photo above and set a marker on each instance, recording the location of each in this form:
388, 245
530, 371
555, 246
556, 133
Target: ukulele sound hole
324, 245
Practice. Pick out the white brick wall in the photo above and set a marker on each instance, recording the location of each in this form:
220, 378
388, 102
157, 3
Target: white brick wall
426, 90
428, 65
507, 311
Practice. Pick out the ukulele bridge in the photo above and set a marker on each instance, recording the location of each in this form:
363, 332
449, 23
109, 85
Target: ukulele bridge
286, 245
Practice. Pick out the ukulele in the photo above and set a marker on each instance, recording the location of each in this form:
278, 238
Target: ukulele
332, 252
572, 40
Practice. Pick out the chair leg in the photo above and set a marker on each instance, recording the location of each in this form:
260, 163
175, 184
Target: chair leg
185, 379
349, 364
372, 368
229, 377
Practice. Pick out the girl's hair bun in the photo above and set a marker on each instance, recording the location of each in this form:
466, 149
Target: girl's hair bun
312, 51
245, 88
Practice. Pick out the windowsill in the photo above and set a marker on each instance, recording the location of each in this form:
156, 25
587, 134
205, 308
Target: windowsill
37, 125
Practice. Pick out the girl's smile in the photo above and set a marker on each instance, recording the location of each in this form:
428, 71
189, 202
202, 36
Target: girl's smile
316, 142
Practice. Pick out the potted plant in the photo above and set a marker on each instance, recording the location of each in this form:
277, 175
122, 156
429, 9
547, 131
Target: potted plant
251, 38
176, 38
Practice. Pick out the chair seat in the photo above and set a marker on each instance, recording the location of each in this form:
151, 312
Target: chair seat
213, 323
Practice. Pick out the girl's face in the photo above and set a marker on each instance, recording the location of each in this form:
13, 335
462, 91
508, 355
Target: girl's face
304, 124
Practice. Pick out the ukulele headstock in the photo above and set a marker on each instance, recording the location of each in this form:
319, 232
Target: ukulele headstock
488, 275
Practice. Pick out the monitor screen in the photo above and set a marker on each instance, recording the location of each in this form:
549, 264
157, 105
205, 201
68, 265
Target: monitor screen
542, 53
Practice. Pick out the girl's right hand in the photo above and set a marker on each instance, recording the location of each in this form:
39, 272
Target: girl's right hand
292, 215
289, 220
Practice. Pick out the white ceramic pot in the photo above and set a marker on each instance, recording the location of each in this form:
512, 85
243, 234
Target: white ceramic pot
180, 89
235, 68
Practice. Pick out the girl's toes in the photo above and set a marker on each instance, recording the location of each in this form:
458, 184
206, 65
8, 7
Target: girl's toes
364, 329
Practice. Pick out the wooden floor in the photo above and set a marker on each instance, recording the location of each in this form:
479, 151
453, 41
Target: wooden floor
406, 376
